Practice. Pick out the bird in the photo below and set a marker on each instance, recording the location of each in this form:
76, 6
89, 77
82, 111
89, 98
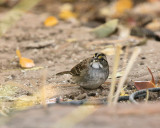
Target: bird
90, 73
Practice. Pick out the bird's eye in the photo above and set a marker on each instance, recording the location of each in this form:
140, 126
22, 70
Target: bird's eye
100, 57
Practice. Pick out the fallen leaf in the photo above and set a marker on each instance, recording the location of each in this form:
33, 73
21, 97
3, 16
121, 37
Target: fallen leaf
65, 15
51, 21
110, 50
71, 40
24, 62
66, 6
123, 5
106, 29
118, 75
145, 84
104, 11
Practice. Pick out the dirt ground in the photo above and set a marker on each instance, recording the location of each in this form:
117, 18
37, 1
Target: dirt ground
59, 48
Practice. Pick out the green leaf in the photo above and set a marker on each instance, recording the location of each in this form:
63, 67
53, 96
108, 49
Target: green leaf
106, 29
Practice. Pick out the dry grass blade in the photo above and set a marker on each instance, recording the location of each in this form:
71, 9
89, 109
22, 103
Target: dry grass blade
115, 67
43, 89
147, 96
129, 66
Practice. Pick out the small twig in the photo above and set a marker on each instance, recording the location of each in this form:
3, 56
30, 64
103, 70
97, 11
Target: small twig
127, 70
115, 67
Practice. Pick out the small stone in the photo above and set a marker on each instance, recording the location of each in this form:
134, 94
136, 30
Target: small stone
91, 94
82, 96
143, 57
99, 90
141, 63
105, 93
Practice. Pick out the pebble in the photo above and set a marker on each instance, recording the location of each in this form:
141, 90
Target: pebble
82, 96
92, 94
105, 93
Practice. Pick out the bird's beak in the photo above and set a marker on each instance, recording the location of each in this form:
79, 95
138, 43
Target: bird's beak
95, 60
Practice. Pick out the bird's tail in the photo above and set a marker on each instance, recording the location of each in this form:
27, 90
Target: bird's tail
64, 72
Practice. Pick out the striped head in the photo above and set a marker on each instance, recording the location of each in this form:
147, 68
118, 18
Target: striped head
99, 61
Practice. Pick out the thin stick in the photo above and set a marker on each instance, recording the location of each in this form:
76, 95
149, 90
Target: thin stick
127, 70
115, 67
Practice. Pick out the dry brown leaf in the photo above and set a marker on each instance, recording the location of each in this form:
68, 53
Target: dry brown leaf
145, 84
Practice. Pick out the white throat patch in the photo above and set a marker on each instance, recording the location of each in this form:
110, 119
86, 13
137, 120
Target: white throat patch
96, 65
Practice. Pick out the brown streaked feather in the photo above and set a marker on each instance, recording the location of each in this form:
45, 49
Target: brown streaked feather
64, 72
76, 70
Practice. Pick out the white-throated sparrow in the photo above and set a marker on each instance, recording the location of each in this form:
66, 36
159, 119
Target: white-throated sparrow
91, 72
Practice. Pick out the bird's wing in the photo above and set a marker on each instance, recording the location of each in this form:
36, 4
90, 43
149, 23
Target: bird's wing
79, 68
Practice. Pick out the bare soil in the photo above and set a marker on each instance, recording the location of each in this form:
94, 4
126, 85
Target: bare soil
58, 54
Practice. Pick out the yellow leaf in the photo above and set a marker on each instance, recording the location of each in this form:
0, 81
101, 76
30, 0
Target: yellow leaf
18, 53
51, 21
24, 62
123, 5
66, 14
